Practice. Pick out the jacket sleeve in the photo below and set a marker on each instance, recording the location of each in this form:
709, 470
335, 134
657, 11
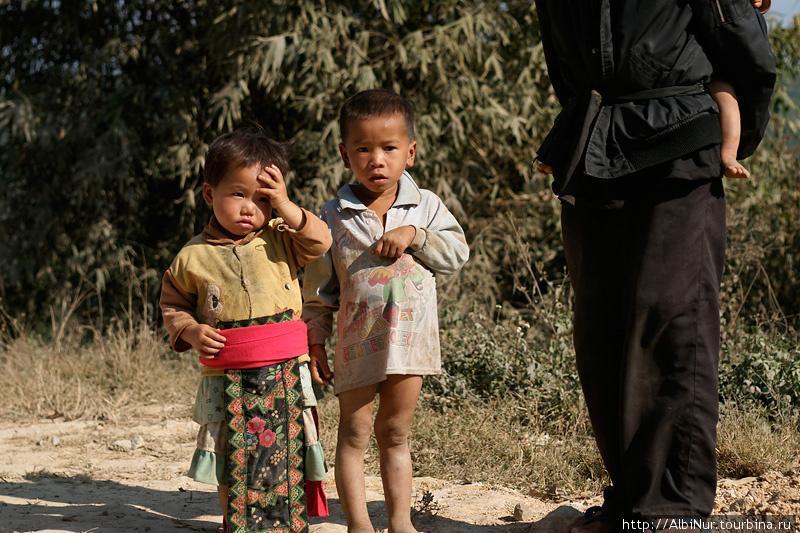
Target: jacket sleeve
441, 243
178, 309
554, 72
311, 241
734, 36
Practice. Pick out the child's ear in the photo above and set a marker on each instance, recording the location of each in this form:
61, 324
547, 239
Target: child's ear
208, 194
412, 154
343, 152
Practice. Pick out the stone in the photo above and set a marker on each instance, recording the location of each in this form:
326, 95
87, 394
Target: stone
122, 445
523, 512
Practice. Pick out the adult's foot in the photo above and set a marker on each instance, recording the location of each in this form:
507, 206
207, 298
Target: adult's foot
593, 521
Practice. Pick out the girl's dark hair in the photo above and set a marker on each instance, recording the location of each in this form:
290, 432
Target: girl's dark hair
376, 103
242, 149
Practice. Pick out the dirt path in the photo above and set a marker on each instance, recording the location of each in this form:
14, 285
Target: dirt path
82, 476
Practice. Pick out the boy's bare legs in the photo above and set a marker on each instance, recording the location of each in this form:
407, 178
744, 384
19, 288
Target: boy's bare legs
398, 401
730, 124
355, 427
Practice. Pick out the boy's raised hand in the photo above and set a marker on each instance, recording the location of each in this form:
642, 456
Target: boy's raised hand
320, 370
275, 189
395, 242
205, 339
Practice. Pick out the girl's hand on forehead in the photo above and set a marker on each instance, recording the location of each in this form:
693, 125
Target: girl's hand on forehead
274, 186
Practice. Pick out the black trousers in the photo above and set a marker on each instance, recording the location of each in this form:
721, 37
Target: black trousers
646, 280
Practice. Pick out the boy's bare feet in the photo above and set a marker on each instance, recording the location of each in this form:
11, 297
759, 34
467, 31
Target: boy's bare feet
409, 529
735, 170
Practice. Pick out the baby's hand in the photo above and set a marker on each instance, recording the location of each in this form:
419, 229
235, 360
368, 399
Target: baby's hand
320, 370
205, 339
274, 186
394, 242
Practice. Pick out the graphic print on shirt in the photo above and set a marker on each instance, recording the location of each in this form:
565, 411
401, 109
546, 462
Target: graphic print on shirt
386, 314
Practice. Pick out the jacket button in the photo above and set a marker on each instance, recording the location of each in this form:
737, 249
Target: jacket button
287, 287
238, 249
246, 282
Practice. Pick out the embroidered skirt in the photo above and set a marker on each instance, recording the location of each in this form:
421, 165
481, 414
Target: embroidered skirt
265, 446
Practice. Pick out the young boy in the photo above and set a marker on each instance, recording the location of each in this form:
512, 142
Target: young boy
730, 120
390, 238
232, 294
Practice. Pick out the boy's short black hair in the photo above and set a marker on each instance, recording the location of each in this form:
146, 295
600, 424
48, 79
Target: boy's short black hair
376, 103
241, 149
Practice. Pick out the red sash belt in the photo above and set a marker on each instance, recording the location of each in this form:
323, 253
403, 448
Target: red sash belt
255, 346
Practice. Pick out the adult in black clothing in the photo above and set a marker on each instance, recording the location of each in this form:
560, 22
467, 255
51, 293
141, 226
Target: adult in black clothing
636, 163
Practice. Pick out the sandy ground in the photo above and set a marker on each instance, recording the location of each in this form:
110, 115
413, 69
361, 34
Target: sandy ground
81, 476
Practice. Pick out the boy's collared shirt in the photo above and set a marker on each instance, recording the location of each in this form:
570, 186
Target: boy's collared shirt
387, 319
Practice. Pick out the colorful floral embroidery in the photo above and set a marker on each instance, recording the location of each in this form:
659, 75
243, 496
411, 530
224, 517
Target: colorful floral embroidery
266, 484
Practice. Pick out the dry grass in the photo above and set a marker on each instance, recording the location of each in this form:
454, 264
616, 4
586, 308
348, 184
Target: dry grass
514, 442
85, 374
750, 445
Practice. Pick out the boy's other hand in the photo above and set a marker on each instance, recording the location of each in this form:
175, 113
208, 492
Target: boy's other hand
320, 370
544, 169
274, 186
395, 242
205, 339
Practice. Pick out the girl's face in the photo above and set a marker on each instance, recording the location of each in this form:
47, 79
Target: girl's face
237, 206
378, 150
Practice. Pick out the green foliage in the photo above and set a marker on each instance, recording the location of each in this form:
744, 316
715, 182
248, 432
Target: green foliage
107, 108
762, 371
760, 286
491, 353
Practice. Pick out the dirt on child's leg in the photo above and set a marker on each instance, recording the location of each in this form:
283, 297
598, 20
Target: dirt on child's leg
355, 427
398, 400
222, 493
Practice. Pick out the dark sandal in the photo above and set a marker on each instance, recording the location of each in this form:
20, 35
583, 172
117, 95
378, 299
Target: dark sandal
590, 515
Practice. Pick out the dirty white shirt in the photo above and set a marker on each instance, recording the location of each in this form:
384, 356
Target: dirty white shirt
387, 319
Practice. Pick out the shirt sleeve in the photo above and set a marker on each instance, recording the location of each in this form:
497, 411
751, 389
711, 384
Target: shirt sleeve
734, 36
320, 295
440, 244
311, 241
178, 309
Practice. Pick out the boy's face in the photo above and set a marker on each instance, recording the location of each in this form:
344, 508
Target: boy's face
237, 205
378, 151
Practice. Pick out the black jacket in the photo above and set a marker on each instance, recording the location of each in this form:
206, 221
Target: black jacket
631, 77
